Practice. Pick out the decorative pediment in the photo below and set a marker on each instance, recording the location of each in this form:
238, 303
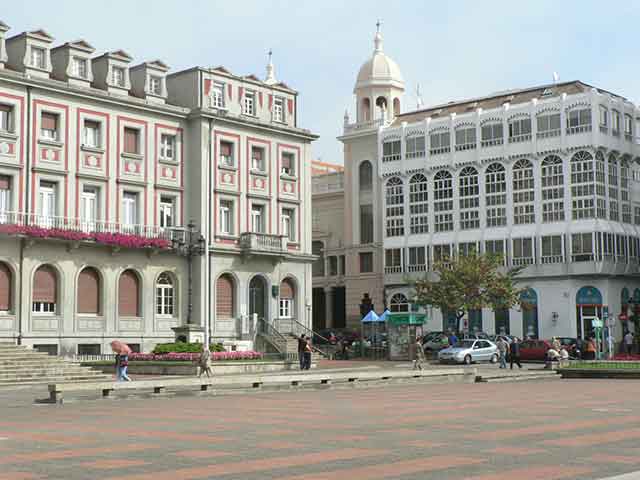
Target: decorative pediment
222, 69
81, 45
121, 55
158, 65
41, 34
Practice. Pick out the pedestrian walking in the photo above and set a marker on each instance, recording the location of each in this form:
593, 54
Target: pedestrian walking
117, 368
124, 364
204, 362
628, 342
514, 353
452, 339
419, 355
302, 344
503, 349
122, 351
307, 355
345, 349
590, 349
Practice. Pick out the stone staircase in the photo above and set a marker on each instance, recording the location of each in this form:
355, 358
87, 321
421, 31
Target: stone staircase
20, 365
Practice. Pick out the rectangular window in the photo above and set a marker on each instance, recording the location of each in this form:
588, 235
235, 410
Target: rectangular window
417, 259
582, 247
89, 207
415, 146
604, 118
217, 95
579, 120
628, 127
278, 109
492, 134
6, 118
38, 58
289, 224
288, 164
465, 138
286, 307
393, 260
249, 103
366, 223
131, 140
5, 198
226, 217
118, 76
48, 203
79, 67
343, 265
495, 247
167, 146
522, 251
551, 247
548, 125
257, 218
615, 122
440, 143
391, 151
49, 126
442, 253
91, 137
520, 130
129, 210
155, 85
88, 349
366, 262
226, 154
467, 248
257, 159
167, 212
333, 265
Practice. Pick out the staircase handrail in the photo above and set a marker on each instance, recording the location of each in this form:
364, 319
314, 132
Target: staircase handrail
299, 328
270, 331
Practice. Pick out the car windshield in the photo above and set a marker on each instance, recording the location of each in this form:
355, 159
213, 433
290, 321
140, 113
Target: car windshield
466, 344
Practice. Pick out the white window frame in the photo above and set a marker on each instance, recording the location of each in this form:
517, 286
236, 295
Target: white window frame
394, 203
523, 193
582, 186
168, 146
44, 308
225, 209
38, 57
249, 103
549, 125
278, 109
419, 204
469, 198
552, 189
165, 297
48, 134
288, 220
6, 118
119, 76
155, 85
89, 207
47, 203
228, 160
5, 200
285, 307
258, 165
440, 142
93, 140
466, 138
167, 211
496, 195
443, 201
391, 150
129, 210
80, 67
258, 218
217, 95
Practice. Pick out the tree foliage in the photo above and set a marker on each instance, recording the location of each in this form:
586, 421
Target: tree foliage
470, 282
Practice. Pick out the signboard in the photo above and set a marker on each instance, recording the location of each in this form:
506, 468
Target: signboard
407, 318
596, 323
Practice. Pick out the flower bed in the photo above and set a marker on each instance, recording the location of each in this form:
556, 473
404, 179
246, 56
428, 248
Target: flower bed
191, 357
113, 239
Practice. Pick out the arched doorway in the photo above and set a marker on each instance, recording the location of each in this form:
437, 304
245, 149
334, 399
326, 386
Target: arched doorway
258, 297
529, 304
588, 308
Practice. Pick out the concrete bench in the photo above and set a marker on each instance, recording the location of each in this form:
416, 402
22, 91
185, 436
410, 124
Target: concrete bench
327, 378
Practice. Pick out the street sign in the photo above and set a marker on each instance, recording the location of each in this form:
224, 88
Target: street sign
596, 323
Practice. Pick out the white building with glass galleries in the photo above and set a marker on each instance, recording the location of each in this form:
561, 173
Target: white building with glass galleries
547, 176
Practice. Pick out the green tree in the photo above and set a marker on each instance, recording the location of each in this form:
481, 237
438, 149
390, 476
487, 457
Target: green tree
470, 282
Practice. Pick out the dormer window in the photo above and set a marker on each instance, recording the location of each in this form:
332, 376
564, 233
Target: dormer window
38, 58
79, 67
49, 126
118, 76
249, 103
278, 109
155, 85
217, 95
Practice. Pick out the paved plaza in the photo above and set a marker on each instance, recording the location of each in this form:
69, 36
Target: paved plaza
586, 429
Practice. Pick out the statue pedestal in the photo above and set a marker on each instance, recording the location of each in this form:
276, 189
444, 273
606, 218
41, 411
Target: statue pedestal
189, 333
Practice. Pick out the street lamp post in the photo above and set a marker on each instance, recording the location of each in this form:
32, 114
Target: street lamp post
190, 245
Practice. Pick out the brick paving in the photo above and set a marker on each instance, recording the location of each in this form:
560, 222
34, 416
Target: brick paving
572, 429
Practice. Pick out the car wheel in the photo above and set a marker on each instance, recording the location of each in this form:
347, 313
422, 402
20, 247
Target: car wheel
467, 360
494, 358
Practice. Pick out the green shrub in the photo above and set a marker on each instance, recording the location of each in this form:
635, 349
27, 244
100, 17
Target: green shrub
182, 347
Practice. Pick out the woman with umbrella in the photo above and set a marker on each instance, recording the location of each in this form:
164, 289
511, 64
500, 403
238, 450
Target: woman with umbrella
122, 351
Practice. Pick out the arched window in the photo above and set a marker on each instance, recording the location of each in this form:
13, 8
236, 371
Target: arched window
89, 292
496, 195
612, 169
366, 109
552, 189
443, 201
395, 207
317, 249
225, 297
469, 191
165, 295
624, 190
492, 134
523, 193
5, 288
396, 107
365, 174
287, 299
582, 186
129, 294
419, 203
45, 290
399, 303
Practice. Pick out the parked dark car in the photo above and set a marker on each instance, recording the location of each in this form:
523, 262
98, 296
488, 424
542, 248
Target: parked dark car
535, 350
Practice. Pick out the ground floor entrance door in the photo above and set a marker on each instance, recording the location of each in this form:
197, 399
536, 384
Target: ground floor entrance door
258, 297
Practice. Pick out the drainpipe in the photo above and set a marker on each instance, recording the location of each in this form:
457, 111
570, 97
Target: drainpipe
207, 237
27, 173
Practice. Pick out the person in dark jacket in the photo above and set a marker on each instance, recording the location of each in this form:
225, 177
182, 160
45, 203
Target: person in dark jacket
302, 344
306, 365
514, 353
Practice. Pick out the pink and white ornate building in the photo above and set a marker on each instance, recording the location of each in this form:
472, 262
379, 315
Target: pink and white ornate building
102, 164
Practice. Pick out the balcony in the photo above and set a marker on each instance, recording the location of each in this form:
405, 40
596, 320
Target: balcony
76, 230
253, 244
363, 126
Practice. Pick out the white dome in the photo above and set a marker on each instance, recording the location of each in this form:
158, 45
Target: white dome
379, 70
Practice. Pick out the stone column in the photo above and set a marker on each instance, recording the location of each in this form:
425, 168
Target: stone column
3, 50
328, 306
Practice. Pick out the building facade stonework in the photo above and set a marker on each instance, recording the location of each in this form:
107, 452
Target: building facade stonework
548, 177
103, 164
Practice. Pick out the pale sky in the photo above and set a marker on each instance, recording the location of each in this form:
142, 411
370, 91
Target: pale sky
454, 49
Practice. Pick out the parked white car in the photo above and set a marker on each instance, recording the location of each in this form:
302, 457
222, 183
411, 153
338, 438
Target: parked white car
470, 351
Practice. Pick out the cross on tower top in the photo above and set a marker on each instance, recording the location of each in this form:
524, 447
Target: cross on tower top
378, 23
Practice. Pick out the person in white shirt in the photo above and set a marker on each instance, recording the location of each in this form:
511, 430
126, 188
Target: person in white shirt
628, 342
